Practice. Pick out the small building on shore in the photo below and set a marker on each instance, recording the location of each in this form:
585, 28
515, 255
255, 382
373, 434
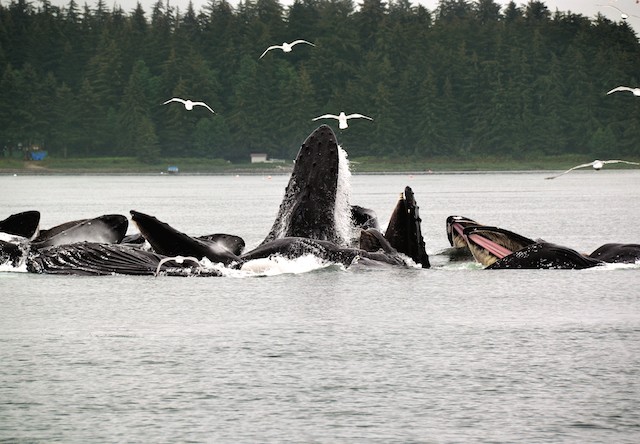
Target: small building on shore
259, 158
263, 158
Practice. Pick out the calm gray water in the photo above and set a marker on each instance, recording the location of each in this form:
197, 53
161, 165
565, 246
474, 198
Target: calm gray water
447, 355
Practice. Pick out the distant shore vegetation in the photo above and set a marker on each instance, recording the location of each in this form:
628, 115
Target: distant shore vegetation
469, 83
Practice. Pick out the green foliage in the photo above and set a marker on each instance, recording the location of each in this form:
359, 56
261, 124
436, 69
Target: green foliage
471, 79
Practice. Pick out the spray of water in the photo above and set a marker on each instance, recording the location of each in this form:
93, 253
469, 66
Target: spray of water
343, 220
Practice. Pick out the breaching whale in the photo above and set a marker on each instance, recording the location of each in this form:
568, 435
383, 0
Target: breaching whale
310, 205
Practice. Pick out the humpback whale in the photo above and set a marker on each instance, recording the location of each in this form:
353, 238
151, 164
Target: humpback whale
95, 259
616, 253
108, 229
544, 255
497, 248
309, 207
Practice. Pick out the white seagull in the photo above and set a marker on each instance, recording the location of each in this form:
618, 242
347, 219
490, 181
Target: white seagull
188, 104
596, 164
286, 47
623, 15
635, 91
342, 118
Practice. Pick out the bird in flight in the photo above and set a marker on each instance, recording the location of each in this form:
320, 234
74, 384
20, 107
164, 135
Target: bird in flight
188, 104
342, 118
286, 47
635, 91
596, 164
623, 15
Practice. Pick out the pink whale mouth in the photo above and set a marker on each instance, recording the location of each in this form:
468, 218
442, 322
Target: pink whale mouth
458, 228
497, 250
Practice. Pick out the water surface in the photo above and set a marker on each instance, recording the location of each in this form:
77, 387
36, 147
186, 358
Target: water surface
450, 354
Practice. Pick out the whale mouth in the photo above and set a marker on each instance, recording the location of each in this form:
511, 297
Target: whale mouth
490, 244
492, 247
455, 230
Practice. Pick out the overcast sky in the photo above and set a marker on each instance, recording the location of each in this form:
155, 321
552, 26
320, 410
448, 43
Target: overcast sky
588, 8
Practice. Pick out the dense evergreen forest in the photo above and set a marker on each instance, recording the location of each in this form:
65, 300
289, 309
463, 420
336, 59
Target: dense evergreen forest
470, 78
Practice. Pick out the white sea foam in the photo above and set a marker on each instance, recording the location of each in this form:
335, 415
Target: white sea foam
276, 265
343, 221
12, 238
6, 267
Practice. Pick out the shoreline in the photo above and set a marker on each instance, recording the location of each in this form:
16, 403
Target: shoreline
362, 166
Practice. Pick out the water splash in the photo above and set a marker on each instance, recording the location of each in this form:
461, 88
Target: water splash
7, 267
276, 265
343, 220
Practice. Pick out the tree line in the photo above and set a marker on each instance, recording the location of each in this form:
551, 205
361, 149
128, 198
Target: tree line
470, 78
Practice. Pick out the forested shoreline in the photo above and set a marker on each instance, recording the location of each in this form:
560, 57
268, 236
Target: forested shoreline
470, 78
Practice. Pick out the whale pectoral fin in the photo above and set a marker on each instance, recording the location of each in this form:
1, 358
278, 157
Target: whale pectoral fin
404, 231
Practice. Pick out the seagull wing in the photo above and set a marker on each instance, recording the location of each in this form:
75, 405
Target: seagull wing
295, 42
615, 7
620, 161
356, 116
571, 169
620, 88
175, 99
205, 105
269, 49
326, 116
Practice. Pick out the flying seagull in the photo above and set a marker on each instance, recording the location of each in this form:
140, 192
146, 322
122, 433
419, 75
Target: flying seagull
635, 91
623, 15
188, 104
596, 164
286, 47
342, 118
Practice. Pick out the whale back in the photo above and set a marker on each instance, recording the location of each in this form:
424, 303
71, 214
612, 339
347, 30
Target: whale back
544, 255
